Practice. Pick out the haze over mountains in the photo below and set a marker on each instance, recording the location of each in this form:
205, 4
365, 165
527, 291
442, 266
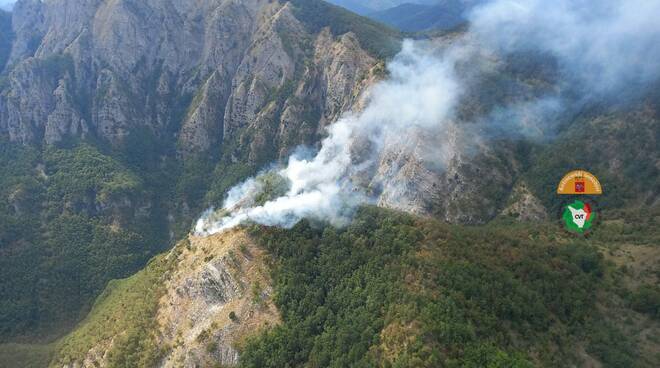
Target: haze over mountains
6, 4
410, 17
271, 183
414, 16
365, 7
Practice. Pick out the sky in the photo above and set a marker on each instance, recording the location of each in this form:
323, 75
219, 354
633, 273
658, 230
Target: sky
6, 4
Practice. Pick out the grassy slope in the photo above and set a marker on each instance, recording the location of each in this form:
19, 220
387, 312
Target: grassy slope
26, 355
122, 317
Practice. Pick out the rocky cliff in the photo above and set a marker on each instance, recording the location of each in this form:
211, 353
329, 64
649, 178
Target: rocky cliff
210, 294
5, 37
240, 82
122, 120
203, 74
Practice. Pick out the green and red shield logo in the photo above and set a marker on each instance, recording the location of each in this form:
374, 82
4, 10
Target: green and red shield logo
578, 216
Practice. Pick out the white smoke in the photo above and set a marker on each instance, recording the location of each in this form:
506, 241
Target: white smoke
602, 46
420, 93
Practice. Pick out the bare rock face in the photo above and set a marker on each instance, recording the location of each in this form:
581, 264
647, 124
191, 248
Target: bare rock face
31, 97
202, 127
219, 294
215, 294
202, 75
448, 175
64, 120
346, 71
28, 24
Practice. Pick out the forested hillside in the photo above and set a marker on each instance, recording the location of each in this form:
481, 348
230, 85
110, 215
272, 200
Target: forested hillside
367, 196
72, 219
397, 290
410, 17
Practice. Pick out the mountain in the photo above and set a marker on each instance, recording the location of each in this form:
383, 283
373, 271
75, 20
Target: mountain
429, 236
411, 17
75, 58
356, 6
5, 37
364, 7
390, 289
121, 121
184, 310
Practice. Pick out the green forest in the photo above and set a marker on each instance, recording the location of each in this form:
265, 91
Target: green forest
66, 229
394, 290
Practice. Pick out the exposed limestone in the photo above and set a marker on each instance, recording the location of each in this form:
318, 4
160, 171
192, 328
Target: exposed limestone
240, 71
64, 120
203, 126
216, 294
219, 294
433, 174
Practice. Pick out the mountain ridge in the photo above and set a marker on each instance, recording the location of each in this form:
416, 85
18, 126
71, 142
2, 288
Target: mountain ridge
139, 139
412, 17
122, 121
499, 257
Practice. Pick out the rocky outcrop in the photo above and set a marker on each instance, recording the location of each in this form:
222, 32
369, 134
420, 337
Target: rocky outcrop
246, 81
285, 95
207, 75
64, 120
446, 175
214, 293
219, 294
6, 38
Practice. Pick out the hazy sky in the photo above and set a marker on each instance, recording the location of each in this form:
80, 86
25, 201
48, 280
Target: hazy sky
6, 4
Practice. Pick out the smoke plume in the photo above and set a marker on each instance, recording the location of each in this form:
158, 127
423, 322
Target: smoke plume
601, 47
420, 93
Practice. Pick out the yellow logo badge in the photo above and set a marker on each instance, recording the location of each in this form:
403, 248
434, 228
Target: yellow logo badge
579, 182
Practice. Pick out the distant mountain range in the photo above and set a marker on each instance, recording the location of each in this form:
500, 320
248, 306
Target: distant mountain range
411, 15
419, 17
366, 7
